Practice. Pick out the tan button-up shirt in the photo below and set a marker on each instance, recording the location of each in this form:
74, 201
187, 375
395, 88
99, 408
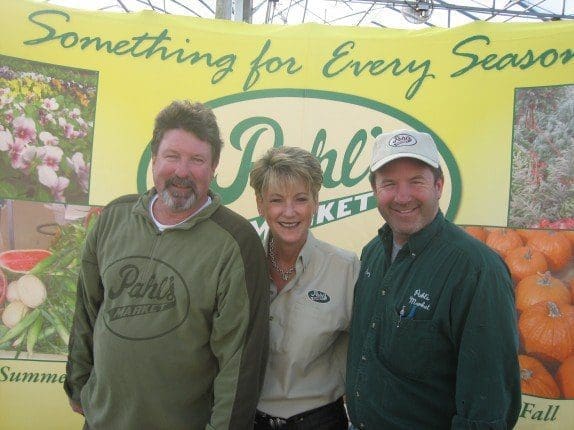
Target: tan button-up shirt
309, 323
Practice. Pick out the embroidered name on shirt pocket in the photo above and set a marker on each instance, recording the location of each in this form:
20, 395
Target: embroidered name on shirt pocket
409, 348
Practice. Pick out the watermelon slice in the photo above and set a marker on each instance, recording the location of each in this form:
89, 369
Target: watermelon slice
3, 286
22, 260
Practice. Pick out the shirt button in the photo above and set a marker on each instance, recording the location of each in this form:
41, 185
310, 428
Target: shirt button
362, 425
413, 254
271, 318
373, 325
363, 358
384, 292
357, 394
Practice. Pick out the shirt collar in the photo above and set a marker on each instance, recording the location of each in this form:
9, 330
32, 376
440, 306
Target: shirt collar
304, 256
307, 250
142, 208
417, 241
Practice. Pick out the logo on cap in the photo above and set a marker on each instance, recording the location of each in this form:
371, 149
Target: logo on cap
402, 139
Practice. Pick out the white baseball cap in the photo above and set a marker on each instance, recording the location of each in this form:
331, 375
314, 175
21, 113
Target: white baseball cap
404, 143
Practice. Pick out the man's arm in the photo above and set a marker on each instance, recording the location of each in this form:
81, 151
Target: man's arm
488, 377
89, 297
239, 339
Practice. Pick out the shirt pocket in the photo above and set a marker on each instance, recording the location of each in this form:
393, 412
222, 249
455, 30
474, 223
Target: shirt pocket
407, 348
311, 330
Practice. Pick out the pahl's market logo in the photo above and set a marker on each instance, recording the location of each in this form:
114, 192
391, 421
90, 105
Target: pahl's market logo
402, 139
142, 289
319, 296
159, 293
338, 129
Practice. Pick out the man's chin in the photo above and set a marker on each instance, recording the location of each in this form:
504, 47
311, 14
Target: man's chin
182, 206
178, 204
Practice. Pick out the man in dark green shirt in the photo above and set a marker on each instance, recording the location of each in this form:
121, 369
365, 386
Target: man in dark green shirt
433, 337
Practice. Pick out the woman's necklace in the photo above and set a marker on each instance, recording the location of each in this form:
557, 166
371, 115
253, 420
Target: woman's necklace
285, 274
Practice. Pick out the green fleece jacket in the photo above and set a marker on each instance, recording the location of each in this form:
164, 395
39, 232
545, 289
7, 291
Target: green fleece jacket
170, 328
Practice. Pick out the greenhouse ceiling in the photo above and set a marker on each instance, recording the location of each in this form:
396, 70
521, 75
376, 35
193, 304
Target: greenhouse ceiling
379, 13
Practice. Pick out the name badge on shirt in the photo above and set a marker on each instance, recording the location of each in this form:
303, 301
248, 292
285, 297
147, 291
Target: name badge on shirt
318, 296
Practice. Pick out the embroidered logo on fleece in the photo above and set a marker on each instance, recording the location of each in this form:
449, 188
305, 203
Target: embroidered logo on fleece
319, 296
402, 139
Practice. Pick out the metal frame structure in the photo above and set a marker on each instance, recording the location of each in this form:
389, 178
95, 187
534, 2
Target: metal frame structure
382, 13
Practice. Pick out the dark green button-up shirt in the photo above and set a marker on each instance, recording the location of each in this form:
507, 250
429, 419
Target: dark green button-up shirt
433, 336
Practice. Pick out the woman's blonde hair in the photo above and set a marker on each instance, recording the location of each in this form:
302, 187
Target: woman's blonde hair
286, 165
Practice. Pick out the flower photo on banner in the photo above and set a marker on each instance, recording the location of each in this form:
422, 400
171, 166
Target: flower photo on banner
46, 129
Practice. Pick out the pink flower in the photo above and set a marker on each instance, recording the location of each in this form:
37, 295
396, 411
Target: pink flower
50, 104
70, 133
48, 138
81, 168
6, 140
45, 117
9, 115
26, 158
75, 113
50, 156
24, 129
21, 155
56, 184
83, 124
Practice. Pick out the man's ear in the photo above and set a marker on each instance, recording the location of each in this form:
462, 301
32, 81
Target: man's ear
438, 185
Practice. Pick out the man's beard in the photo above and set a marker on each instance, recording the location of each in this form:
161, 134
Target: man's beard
175, 202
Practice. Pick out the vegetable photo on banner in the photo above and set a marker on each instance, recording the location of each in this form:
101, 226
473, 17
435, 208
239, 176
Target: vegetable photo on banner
542, 184
38, 292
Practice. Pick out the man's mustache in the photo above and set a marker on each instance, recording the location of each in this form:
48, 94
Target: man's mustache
180, 182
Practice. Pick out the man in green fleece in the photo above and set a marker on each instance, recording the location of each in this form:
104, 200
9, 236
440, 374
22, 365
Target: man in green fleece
171, 323
433, 339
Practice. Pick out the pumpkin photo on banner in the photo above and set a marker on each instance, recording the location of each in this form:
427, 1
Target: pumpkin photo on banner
541, 264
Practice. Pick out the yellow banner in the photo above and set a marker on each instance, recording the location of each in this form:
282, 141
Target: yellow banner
79, 92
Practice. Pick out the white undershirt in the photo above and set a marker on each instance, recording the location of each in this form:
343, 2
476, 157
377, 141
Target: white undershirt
161, 226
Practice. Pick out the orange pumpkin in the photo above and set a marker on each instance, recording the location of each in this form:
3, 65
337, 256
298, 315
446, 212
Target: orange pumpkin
541, 287
565, 377
547, 331
503, 240
569, 235
476, 231
555, 246
526, 234
524, 261
535, 380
